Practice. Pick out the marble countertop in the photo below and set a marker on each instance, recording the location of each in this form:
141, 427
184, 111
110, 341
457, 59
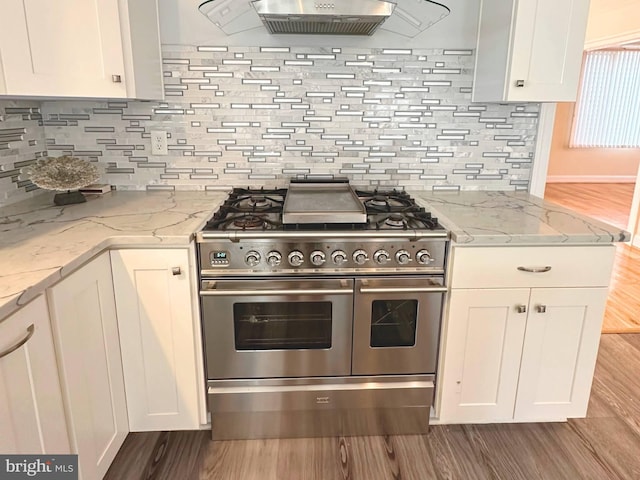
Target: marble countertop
41, 243
495, 218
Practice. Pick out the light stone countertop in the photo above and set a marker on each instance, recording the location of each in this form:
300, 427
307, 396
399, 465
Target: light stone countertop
496, 218
40, 243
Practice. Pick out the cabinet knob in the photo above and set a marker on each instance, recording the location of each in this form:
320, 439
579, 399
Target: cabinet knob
519, 83
176, 271
521, 309
541, 308
116, 78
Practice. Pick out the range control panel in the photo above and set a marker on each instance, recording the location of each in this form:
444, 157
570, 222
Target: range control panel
253, 256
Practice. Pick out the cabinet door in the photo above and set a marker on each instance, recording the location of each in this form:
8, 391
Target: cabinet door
32, 419
536, 42
559, 354
61, 48
548, 41
483, 345
158, 341
86, 331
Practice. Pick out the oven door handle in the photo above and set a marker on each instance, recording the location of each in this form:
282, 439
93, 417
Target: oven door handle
403, 290
302, 291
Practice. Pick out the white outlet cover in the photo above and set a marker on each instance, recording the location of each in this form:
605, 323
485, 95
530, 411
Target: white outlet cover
159, 142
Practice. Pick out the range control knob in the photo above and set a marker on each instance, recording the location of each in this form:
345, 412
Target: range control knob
360, 257
296, 258
403, 257
339, 257
381, 257
252, 258
274, 258
317, 257
423, 257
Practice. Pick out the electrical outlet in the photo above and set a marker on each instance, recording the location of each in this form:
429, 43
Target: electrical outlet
159, 142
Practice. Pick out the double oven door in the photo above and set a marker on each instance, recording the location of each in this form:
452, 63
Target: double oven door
293, 327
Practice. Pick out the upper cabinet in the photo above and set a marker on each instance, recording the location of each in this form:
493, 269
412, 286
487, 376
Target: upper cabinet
80, 48
529, 50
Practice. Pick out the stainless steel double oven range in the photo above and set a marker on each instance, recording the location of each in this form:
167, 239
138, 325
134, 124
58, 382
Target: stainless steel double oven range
321, 311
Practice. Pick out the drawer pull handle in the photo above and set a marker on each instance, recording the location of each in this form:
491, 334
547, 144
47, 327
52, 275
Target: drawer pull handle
535, 269
15, 347
521, 308
176, 271
541, 308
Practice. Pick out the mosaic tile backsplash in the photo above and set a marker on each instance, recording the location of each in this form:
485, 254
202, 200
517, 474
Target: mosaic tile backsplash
239, 116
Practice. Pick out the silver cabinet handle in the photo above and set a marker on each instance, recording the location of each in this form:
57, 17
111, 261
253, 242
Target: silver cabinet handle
176, 271
519, 83
541, 308
535, 269
116, 78
30, 330
521, 309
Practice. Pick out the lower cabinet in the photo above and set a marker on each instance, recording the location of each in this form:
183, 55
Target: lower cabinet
520, 354
83, 315
32, 418
158, 338
559, 353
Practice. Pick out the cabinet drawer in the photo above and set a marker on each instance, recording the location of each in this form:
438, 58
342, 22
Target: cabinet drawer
494, 267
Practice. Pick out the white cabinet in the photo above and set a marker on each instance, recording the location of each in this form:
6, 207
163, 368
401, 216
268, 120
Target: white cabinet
32, 419
80, 48
529, 50
160, 344
559, 353
522, 354
83, 315
484, 344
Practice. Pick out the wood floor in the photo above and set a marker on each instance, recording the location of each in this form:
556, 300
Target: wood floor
610, 203
605, 445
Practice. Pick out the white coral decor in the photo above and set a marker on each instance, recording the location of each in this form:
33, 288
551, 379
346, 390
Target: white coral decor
63, 173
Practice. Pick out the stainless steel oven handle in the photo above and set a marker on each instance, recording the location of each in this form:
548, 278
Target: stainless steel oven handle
404, 290
302, 291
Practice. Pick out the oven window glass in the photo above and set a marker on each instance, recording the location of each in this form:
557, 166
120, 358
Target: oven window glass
282, 325
394, 323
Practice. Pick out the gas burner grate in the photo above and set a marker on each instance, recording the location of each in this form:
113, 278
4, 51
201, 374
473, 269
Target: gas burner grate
386, 201
242, 200
243, 221
251, 209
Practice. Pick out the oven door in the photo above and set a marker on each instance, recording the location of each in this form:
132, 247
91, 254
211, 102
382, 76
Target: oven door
397, 325
277, 328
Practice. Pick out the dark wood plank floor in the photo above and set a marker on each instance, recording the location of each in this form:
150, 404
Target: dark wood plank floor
605, 445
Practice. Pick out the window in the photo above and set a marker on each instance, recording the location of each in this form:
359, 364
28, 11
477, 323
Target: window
608, 106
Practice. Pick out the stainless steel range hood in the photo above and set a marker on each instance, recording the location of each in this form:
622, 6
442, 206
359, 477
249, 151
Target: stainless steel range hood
354, 17
331, 17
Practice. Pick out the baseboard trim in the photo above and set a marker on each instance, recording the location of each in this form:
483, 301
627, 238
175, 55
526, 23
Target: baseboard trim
591, 179
636, 241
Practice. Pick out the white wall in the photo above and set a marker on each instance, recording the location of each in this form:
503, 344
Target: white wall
181, 23
612, 22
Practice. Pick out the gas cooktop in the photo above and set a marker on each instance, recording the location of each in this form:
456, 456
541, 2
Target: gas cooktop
262, 209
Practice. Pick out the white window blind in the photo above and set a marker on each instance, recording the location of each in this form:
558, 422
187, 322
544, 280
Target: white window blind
608, 107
